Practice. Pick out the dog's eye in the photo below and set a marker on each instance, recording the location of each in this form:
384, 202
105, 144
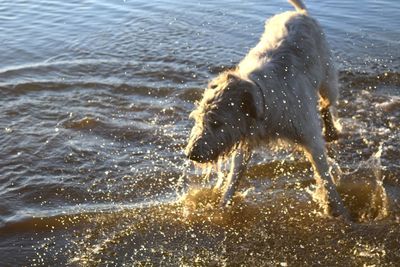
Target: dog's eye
216, 124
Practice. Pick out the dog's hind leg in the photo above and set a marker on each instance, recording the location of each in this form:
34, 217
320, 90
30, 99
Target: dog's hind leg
240, 158
330, 131
329, 94
315, 150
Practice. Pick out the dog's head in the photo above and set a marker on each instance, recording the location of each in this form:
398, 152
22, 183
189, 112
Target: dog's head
223, 118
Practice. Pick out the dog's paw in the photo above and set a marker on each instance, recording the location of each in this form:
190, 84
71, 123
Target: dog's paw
338, 210
332, 203
225, 203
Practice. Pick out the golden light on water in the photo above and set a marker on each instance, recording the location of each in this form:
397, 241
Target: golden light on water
94, 105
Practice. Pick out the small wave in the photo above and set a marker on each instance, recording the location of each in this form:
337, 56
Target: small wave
105, 71
391, 105
106, 129
369, 79
27, 87
53, 64
85, 122
32, 220
32, 86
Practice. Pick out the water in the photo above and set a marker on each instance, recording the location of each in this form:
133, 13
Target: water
95, 97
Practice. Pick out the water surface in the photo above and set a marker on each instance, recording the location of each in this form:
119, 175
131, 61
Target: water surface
94, 104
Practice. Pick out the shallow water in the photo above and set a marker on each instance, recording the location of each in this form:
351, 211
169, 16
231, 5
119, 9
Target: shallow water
94, 104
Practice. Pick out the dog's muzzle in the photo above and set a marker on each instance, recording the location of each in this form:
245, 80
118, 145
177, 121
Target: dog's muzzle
199, 154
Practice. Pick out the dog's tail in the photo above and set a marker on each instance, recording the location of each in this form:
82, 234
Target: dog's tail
298, 4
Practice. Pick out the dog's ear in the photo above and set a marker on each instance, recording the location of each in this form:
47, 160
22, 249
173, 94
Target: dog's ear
248, 105
212, 85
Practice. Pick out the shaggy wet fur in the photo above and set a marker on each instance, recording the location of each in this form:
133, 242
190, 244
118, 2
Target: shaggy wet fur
274, 92
216, 130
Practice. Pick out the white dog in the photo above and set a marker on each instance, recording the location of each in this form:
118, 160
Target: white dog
272, 93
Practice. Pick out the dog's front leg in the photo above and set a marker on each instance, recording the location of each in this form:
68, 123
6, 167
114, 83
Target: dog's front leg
325, 182
239, 161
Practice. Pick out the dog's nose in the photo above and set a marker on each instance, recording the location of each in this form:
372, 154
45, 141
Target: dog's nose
194, 157
194, 154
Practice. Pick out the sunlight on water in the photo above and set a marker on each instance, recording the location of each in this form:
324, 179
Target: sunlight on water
94, 104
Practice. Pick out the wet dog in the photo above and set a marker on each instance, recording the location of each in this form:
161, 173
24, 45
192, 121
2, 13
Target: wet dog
274, 93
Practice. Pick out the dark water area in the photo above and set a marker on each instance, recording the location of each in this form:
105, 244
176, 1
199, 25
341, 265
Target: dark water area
94, 105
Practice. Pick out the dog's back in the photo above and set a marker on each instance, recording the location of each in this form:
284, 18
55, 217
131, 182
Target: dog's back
292, 58
290, 37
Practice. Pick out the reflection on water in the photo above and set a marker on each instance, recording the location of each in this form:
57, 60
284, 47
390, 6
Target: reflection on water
95, 98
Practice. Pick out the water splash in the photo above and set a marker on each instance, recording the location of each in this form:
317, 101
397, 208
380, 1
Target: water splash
201, 205
363, 191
